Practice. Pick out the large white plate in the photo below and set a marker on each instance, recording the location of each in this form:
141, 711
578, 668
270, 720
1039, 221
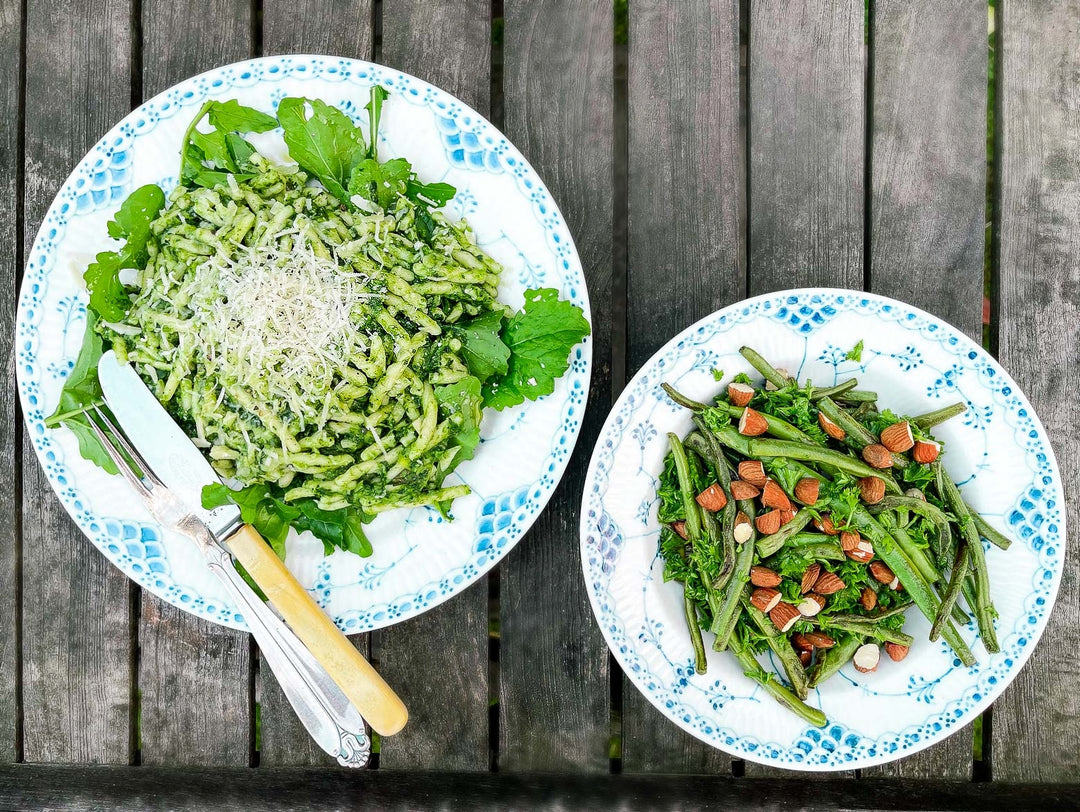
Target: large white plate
997, 452
420, 560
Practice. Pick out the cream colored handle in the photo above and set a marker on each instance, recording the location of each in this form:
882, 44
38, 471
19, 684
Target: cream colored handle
368, 692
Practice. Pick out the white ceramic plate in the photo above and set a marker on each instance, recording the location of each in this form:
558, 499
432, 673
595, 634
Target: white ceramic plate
997, 452
420, 560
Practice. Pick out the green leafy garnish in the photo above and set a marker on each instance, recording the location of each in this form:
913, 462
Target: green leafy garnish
855, 354
461, 403
718, 374
484, 350
325, 143
540, 338
206, 159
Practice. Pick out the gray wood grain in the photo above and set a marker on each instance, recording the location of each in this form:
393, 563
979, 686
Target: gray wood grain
439, 661
685, 246
1036, 734
928, 204
806, 109
194, 675
553, 662
76, 626
338, 27
10, 420
806, 144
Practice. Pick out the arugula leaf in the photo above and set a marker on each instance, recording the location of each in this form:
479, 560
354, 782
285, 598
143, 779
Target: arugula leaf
540, 338
484, 351
379, 94
211, 178
222, 148
461, 403
232, 117
327, 144
432, 194
132, 223
80, 391
380, 183
856, 352
343, 528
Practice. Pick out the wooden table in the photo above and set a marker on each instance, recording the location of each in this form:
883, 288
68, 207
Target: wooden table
718, 151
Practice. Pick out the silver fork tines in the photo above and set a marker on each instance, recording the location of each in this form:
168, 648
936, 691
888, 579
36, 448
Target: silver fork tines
144, 480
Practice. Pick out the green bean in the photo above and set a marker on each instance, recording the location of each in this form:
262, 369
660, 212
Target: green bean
931, 419
776, 427
956, 581
867, 628
767, 370
833, 659
770, 544
690, 609
833, 391
856, 435
926, 510
781, 647
779, 692
988, 532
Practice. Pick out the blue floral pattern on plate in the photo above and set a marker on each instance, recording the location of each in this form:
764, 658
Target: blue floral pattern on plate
917, 363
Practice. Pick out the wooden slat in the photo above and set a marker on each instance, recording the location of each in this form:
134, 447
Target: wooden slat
194, 675
806, 144
1036, 734
76, 622
449, 45
553, 661
928, 208
806, 108
338, 27
342, 28
10, 420
685, 248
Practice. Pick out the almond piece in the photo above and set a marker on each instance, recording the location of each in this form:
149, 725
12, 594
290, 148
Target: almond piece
753, 472
915, 493
768, 523
764, 577
925, 451
680, 528
896, 651
828, 584
712, 498
898, 437
877, 455
830, 427
866, 658
805, 657
741, 489
807, 490
740, 393
825, 525
799, 641
849, 540
772, 495
868, 598
872, 489
809, 578
743, 529
786, 516
894, 584
863, 552
752, 423
765, 599
820, 640
811, 605
784, 616
881, 573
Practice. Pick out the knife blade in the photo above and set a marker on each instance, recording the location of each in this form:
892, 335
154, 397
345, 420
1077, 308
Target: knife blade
167, 450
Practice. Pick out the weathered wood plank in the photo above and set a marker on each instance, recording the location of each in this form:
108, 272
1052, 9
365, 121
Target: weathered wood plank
1036, 734
194, 675
806, 144
449, 45
685, 248
339, 27
928, 207
201, 790
806, 109
553, 661
10, 421
343, 28
76, 623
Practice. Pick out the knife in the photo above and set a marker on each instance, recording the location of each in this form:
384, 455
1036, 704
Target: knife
181, 467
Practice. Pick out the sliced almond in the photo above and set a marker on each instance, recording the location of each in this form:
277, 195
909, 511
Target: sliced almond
877, 455
849, 540
828, 584
768, 523
868, 598
896, 651
915, 493
820, 640
811, 604
786, 516
810, 577
753, 472
880, 572
743, 529
784, 616
807, 490
680, 528
741, 489
862, 552
712, 498
740, 393
830, 427
898, 437
764, 577
872, 489
799, 641
825, 525
866, 658
752, 423
805, 657
765, 599
772, 495
894, 584
925, 451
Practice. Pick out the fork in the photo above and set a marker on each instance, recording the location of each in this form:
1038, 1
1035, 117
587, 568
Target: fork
319, 703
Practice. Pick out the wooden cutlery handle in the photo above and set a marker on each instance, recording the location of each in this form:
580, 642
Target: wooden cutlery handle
368, 692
